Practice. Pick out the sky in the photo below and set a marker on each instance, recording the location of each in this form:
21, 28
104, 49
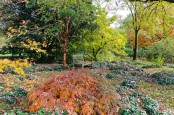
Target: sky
114, 7
121, 15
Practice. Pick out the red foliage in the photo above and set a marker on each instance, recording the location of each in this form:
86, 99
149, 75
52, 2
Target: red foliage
76, 93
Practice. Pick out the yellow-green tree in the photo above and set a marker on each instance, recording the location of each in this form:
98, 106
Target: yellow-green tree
150, 19
103, 43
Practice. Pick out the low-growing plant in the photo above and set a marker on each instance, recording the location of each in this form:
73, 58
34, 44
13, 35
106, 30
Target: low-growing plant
159, 61
132, 107
42, 111
151, 106
74, 92
118, 89
14, 95
163, 78
135, 94
17, 66
110, 76
129, 83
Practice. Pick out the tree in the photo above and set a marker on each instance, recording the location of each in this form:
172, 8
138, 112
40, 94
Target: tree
55, 21
138, 14
102, 43
17, 19
170, 1
66, 19
149, 18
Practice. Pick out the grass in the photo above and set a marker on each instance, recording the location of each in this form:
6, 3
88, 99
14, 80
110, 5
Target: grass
140, 63
164, 94
162, 69
5, 55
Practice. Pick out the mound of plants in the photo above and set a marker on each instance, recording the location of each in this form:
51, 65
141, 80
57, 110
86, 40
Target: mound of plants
37, 68
11, 98
163, 78
151, 66
132, 73
17, 66
14, 95
129, 83
110, 76
76, 93
18, 111
127, 70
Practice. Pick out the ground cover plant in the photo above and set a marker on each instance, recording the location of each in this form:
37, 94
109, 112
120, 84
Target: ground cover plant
88, 91
127, 59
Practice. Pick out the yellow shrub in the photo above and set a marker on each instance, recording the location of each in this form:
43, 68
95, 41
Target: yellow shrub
17, 66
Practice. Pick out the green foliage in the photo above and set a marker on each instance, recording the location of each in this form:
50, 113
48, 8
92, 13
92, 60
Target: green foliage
135, 94
129, 83
42, 111
13, 96
118, 89
45, 22
163, 78
151, 106
126, 69
159, 61
163, 48
102, 43
44, 68
136, 103
133, 109
110, 76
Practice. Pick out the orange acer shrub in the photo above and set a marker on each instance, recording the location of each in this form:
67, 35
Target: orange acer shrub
75, 92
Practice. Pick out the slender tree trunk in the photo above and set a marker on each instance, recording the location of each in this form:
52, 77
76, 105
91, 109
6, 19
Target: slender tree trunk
135, 50
64, 52
94, 55
65, 40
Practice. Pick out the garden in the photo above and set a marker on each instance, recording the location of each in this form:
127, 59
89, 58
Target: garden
77, 57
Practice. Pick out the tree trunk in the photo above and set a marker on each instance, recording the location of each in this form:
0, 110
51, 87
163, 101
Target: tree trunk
94, 55
64, 52
135, 50
65, 40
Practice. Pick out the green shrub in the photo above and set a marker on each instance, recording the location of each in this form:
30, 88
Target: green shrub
133, 107
129, 83
163, 78
136, 94
159, 61
151, 106
135, 103
11, 97
163, 47
118, 89
110, 76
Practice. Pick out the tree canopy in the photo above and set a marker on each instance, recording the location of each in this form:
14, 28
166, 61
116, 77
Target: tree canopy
170, 1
